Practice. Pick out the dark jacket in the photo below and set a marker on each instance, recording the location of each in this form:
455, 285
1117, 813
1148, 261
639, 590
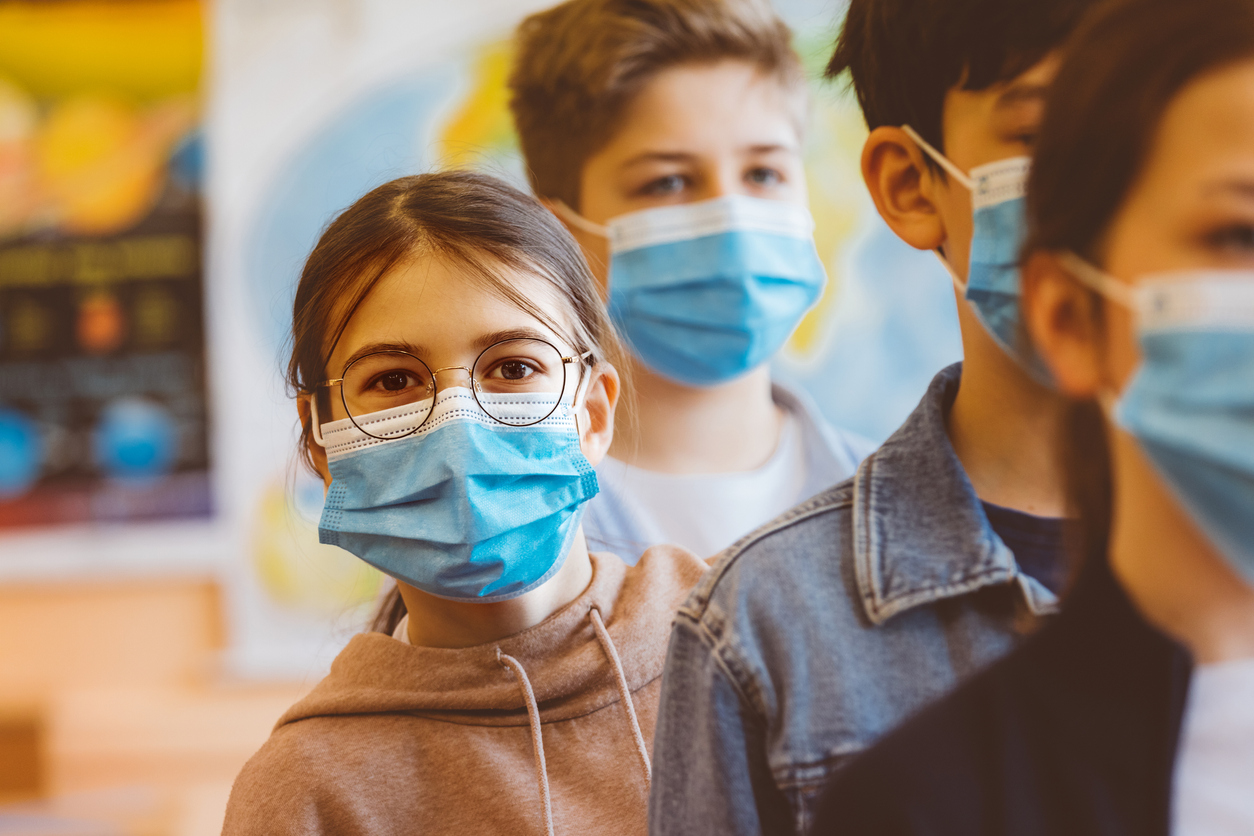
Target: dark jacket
1074, 733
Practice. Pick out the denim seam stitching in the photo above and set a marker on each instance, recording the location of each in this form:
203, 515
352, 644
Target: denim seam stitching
714, 647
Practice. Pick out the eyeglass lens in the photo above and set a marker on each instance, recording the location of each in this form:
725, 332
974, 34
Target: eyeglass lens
391, 379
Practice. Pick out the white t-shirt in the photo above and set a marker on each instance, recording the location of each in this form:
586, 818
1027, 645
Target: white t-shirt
706, 513
1214, 780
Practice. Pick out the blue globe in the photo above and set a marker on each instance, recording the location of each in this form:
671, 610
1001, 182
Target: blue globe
135, 439
21, 453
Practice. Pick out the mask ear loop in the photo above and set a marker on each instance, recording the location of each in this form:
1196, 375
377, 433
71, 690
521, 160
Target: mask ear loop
963, 180
575, 219
1108, 287
940, 159
1100, 282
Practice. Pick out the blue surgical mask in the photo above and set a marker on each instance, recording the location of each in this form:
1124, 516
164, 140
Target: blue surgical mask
705, 292
999, 228
466, 508
1190, 404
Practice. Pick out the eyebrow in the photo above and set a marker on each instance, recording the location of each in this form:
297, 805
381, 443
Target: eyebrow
1022, 93
1242, 188
524, 333
375, 348
684, 156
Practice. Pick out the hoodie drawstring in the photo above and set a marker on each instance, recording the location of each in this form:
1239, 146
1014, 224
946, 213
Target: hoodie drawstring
537, 740
533, 713
624, 692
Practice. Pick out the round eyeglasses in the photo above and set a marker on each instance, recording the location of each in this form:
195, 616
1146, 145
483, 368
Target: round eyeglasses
386, 380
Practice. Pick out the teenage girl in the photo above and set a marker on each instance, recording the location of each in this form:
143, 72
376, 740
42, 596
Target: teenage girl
453, 366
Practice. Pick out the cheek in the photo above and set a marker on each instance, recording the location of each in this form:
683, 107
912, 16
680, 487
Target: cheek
1123, 352
955, 210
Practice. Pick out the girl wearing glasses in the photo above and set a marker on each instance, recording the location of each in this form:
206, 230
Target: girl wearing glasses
454, 368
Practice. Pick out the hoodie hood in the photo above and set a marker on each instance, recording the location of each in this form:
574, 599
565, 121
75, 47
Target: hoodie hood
562, 656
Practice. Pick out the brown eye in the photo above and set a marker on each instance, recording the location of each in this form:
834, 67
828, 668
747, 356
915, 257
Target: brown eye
395, 381
762, 176
515, 370
668, 185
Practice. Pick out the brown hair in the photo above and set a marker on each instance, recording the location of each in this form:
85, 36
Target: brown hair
1124, 66
581, 63
479, 221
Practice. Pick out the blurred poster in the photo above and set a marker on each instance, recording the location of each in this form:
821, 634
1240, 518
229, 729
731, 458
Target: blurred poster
104, 409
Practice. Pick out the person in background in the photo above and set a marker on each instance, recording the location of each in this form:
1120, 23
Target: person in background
453, 365
667, 135
826, 628
1133, 712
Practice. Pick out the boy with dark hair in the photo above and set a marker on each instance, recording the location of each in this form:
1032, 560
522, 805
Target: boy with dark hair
825, 628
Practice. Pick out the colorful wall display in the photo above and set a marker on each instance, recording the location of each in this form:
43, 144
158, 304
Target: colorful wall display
143, 410
104, 412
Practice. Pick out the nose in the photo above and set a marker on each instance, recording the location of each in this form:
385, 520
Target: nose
722, 181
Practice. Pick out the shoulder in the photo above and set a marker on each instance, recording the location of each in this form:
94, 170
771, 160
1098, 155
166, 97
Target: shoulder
820, 435
320, 775
285, 781
663, 577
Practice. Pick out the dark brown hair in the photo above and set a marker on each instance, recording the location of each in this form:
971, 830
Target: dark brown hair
1122, 69
904, 56
476, 220
579, 65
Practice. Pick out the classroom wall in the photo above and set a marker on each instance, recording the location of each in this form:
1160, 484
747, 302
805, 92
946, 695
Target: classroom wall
141, 663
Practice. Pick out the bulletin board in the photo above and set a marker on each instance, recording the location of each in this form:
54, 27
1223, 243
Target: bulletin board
158, 195
105, 410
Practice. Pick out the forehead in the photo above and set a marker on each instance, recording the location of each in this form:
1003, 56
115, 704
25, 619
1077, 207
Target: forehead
443, 306
1206, 134
697, 106
1023, 95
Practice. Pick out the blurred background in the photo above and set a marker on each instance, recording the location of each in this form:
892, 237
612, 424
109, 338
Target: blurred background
165, 166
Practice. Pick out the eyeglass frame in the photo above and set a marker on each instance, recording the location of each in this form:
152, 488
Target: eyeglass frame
435, 389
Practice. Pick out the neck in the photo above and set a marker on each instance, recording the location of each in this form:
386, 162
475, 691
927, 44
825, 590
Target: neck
1004, 427
438, 622
688, 430
1175, 576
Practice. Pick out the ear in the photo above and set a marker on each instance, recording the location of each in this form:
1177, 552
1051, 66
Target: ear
1064, 321
903, 188
596, 418
316, 452
596, 250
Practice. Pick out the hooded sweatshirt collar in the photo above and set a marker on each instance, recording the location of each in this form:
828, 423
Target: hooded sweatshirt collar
565, 662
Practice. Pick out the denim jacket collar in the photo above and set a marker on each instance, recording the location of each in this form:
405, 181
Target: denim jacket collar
920, 532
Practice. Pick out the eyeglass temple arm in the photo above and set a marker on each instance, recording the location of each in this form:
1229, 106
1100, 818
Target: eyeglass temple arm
584, 379
316, 429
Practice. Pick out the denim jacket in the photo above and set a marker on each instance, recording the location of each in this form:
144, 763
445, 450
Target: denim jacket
819, 632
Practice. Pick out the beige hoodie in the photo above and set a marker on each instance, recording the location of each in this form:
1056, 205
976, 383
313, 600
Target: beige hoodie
406, 740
